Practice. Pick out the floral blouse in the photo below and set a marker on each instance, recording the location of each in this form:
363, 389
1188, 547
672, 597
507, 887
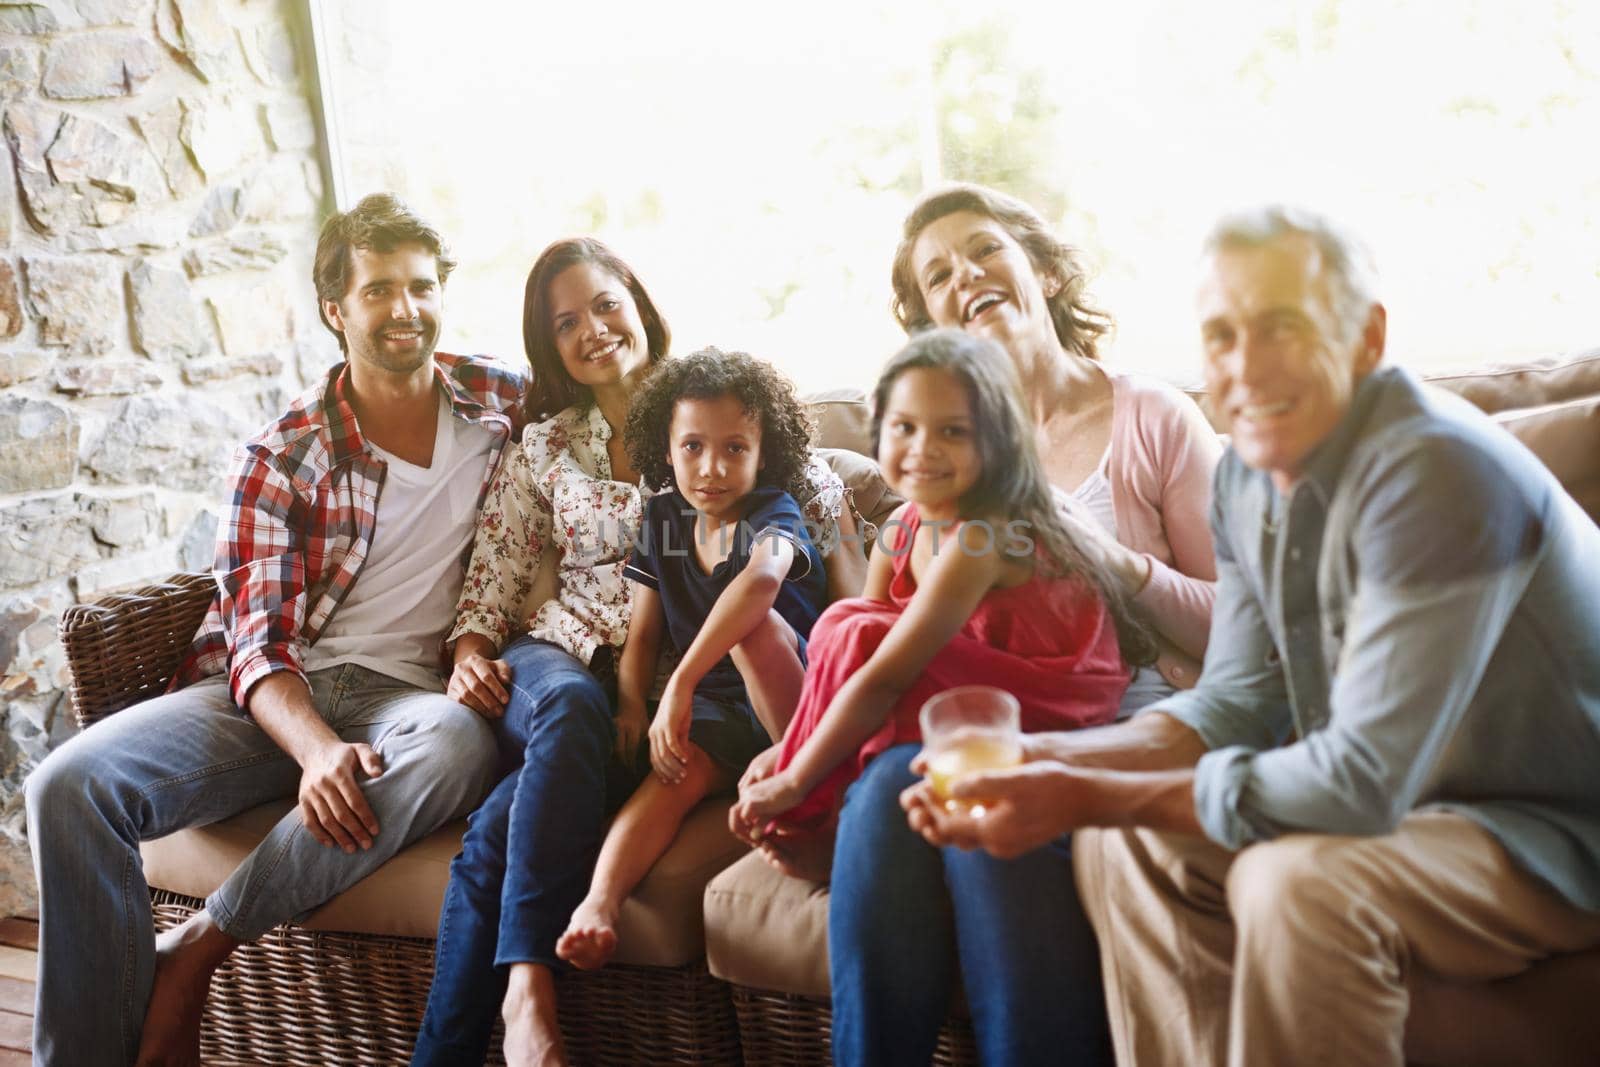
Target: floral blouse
555, 492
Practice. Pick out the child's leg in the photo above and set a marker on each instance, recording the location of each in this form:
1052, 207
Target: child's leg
640, 834
769, 662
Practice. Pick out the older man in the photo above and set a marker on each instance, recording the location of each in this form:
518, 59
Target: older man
315, 675
1391, 764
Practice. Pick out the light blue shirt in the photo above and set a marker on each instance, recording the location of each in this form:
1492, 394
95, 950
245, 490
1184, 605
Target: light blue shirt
1415, 624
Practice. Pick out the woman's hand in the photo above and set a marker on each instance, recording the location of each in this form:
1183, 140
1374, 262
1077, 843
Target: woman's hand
479, 680
631, 725
669, 733
760, 802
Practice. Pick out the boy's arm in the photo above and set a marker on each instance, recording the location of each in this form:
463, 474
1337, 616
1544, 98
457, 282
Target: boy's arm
636, 668
739, 609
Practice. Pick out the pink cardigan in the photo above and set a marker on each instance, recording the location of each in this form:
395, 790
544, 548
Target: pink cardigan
1163, 452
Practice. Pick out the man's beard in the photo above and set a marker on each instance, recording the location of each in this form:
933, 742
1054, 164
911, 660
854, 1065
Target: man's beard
380, 354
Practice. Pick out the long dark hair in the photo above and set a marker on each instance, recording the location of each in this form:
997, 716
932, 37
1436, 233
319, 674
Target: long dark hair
553, 388
1011, 482
1079, 324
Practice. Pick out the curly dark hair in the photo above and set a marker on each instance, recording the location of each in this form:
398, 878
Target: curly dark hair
1079, 324
706, 375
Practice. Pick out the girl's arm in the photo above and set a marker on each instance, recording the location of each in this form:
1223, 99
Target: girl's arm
846, 565
949, 593
880, 565
636, 668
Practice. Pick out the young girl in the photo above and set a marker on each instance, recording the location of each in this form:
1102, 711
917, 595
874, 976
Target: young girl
725, 567
976, 581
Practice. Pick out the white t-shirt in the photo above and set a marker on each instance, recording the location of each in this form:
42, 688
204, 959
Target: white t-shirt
404, 599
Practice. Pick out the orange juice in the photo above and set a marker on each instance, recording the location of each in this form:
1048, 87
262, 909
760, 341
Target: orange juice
967, 752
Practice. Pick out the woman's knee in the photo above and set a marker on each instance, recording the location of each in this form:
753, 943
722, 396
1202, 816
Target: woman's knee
557, 701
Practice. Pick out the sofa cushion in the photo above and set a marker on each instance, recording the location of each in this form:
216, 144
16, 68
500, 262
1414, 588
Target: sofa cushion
1529, 383
842, 419
1566, 438
660, 923
767, 930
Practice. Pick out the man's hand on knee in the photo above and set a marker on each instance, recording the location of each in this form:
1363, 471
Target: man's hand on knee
332, 805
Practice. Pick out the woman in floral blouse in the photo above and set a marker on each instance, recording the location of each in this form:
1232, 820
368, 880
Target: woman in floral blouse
567, 498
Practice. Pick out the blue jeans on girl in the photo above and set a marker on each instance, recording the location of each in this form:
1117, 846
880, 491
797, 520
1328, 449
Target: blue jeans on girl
903, 916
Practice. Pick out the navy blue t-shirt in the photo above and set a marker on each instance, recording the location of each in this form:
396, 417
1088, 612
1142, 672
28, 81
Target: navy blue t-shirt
664, 559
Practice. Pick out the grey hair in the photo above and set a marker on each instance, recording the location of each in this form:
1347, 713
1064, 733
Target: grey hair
1345, 258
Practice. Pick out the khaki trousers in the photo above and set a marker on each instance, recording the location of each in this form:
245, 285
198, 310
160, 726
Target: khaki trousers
1299, 950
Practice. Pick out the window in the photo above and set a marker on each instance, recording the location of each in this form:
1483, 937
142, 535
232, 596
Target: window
754, 162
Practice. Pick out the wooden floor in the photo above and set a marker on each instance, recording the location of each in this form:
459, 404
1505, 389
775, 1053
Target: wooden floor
19, 964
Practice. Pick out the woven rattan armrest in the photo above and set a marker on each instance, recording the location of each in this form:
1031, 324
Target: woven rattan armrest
125, 648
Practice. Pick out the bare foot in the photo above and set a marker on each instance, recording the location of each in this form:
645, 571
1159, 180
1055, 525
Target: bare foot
533, 1035
807, 855
591, 936
186, 958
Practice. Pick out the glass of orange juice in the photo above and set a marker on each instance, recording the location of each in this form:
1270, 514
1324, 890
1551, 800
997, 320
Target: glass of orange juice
967, 729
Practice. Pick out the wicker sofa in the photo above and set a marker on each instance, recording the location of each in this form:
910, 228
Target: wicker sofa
347, 986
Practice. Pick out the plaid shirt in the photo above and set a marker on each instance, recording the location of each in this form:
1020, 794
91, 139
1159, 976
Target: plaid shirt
302, 507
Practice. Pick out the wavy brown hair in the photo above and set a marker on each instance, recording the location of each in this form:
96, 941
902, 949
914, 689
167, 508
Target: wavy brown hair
1011, 484
381, 222
1079, 324
553, 388
706, 375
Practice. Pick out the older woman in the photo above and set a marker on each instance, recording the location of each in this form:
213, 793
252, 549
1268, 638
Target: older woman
1134, 457
568, 496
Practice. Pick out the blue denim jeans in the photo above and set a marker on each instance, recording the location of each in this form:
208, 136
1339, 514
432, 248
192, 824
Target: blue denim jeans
904, 917
190, 758
529, 851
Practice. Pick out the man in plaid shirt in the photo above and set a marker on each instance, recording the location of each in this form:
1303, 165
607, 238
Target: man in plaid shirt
303, 680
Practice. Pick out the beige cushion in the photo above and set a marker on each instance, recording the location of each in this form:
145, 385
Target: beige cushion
1525, 383
1566, 437
767, 930
660, 923
842, 419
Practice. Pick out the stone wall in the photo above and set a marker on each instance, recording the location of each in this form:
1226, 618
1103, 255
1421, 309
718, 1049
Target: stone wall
156, 220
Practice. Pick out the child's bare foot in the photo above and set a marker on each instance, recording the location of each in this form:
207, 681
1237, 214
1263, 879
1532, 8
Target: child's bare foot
807, 854
591, 936
186, 957
533, 1034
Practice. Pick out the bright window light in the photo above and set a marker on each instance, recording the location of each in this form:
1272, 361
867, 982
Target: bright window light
754, 161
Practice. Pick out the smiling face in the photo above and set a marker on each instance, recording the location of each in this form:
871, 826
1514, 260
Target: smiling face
596, 326
716, 454
389, 314
1279, 369
927, 447
974, 276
